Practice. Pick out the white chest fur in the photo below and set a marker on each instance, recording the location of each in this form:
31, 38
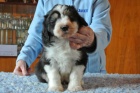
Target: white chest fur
61, 56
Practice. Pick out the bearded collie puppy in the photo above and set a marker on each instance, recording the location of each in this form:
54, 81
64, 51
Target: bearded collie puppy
60, 63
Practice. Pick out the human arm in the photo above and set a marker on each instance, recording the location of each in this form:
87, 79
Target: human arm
100, 26
33, 44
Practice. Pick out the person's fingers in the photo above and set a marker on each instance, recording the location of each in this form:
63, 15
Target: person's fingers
77, 41
74, 40
21, 69
85, 30
78, 36
17, 71
24, 70
74, 45
84, 38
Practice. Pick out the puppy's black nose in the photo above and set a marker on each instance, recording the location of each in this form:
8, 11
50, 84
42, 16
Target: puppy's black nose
65, 28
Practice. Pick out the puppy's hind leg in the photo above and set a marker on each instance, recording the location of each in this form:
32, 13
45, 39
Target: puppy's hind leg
40, 72
76, 76
54, 79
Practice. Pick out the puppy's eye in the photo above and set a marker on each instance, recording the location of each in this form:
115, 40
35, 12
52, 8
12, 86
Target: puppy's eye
52, 22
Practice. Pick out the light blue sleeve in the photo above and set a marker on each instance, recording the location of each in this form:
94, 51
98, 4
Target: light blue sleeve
101, 24
33, 44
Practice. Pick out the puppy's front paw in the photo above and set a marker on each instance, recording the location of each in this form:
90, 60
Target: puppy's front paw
75, 88
55, 88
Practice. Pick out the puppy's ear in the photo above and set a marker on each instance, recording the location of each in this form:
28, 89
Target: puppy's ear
45, 33
45, 37
82, 21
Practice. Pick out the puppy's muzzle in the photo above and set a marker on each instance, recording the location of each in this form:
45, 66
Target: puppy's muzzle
65, 28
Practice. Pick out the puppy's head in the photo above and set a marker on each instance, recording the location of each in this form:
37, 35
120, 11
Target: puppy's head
62, 21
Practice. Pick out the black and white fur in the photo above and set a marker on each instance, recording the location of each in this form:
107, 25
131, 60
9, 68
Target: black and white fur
59, 62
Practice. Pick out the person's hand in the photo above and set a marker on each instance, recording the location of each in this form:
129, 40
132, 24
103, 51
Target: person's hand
84, 38
21, 68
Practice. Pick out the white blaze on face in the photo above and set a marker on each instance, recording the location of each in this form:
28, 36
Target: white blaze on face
60, 8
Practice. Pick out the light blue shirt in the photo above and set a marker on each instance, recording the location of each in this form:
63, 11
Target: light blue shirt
95, 12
